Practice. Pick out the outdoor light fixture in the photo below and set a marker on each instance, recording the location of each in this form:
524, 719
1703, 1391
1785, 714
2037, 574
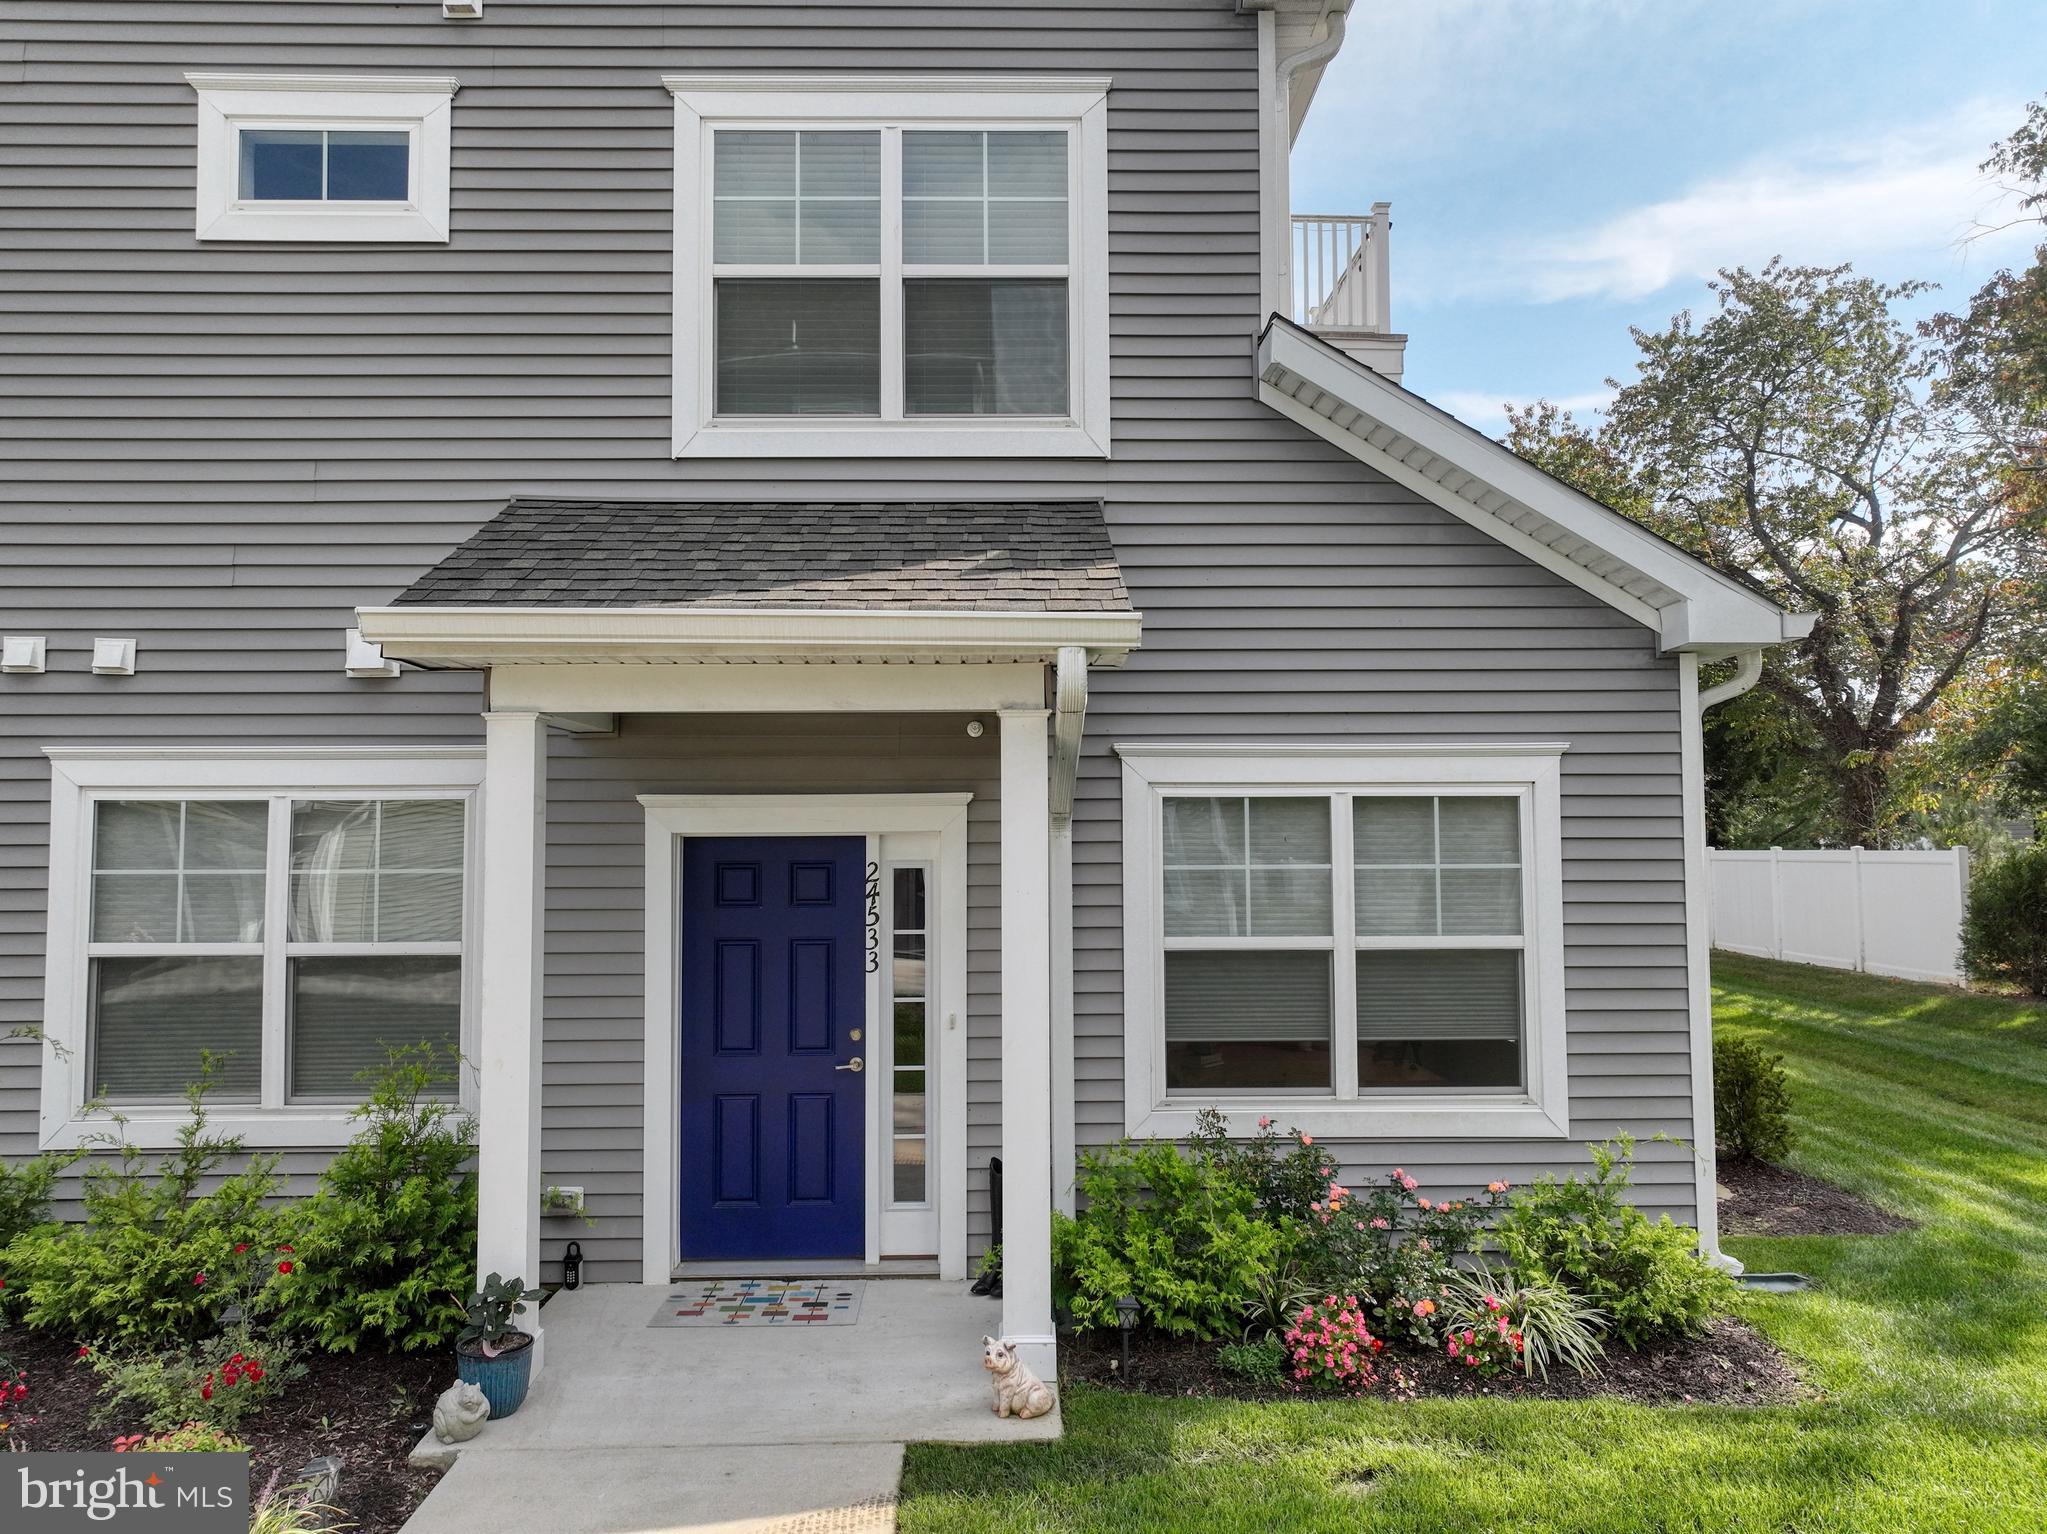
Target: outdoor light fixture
572, 1266
1126, 1323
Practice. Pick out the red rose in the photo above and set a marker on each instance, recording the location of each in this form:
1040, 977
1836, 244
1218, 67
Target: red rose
205, 1392
198, 1278
241, 1247
284, 1267
287, 1247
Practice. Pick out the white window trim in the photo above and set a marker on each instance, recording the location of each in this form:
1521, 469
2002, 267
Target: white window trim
705, 102
1528, 770
419, 104
82, 775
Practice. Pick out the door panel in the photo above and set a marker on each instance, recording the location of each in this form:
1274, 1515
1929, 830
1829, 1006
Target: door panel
773, 1131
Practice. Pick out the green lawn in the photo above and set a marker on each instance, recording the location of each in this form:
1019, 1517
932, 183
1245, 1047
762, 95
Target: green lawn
1928, 1351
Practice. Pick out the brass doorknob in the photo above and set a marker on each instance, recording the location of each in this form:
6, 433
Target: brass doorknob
856, 1066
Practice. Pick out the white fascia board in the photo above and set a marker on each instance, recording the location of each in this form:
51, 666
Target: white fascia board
860, 96
440, 85
1706, 611
482, 636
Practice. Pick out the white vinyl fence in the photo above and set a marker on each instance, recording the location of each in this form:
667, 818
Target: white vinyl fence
1889, 913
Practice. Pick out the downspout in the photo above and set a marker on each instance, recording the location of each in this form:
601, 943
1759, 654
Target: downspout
1280, 135
1069, 715
1748, 671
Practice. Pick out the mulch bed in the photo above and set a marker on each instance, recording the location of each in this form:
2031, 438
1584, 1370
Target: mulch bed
375, 1406
1766, 1200
1731, 1365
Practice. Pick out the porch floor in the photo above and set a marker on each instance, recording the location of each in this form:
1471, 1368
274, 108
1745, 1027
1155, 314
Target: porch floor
638, 1428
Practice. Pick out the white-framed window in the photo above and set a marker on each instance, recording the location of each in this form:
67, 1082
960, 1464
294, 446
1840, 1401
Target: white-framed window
290, 916
906, 266
323, 157
1366, 939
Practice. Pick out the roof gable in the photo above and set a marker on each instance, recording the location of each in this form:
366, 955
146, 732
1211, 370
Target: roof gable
1689, 605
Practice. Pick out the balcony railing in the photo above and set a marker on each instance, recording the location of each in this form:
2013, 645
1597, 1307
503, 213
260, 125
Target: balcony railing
1341, 268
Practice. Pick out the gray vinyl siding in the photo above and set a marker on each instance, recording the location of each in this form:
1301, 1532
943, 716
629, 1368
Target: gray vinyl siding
221, 449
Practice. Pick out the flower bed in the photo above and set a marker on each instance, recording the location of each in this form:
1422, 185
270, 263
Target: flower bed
368, 1409
1731, 1364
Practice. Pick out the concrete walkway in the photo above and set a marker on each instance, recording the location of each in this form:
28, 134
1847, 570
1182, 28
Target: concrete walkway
634, 1429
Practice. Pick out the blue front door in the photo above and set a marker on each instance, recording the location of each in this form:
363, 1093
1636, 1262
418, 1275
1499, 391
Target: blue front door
773, 1006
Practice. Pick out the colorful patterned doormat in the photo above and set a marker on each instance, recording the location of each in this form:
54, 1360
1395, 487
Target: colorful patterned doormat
761, 1302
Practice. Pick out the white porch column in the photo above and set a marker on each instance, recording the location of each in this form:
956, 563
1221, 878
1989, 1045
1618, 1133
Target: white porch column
512, 961
1026, 1037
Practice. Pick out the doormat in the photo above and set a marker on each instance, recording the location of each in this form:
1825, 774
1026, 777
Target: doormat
761, 1302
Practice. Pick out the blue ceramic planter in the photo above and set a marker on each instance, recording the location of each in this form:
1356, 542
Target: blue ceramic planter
503, 1379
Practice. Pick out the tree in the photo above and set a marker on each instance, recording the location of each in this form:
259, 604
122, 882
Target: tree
1801, 439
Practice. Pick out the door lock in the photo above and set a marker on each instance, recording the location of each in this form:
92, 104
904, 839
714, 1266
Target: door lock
855, 1065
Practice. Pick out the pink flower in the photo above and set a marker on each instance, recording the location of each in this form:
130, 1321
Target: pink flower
1497, 1187
1424, 1307
1315, 1206
1379, 1223
1265, 1123
1307, 1139
1408, 1183
1421, 1203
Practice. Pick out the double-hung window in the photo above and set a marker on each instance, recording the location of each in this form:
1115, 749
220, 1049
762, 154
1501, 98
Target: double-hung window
313, 157
918, 269
277, 927
1367, 936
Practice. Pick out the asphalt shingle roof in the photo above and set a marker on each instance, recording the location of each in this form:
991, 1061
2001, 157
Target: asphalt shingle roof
1050, 556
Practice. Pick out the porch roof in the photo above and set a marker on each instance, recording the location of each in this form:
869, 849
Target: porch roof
1038, 556
554, 582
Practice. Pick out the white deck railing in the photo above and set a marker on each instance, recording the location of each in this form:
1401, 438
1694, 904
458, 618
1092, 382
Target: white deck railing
1341, 268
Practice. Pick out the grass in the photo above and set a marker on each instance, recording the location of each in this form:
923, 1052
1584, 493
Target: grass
1927, 1351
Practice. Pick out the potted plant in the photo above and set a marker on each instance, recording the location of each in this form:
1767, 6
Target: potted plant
491, 1352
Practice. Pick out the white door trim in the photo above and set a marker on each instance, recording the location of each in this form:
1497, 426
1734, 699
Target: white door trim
672, 817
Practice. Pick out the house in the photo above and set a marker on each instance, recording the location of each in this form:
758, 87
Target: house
832, 601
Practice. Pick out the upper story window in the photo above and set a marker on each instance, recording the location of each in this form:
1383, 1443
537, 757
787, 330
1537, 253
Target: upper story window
908, 267
311, 157
1373, 936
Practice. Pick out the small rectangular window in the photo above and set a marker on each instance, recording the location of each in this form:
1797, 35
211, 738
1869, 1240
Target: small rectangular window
293, 157
325, 165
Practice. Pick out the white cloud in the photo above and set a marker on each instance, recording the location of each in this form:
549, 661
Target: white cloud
1488, 411
1907, 192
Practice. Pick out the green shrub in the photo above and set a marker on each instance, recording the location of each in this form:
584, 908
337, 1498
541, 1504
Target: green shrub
2004, 931
25, 1190
1179, 1232
1751, 1107
1289, 1174
191, 1438
1581, 1234
215, 1384
386, 1248
156, 1260
1262, 1363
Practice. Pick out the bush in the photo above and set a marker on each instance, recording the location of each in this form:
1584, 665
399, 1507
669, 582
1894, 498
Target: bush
386, 1247
1751, 1107
156, 1260
213, 1384
1495, 1320
1179, 1232
1582, 1235
1329, 1346
1262, 1362
2004, 931
25, 1190
1395, 1248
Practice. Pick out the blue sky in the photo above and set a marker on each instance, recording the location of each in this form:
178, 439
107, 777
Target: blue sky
1562, 169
